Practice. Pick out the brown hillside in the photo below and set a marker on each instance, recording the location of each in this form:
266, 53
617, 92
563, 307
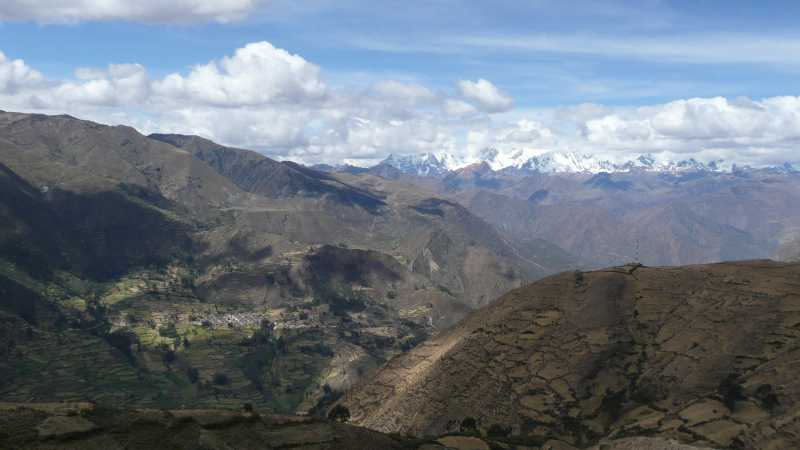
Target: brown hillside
703, 354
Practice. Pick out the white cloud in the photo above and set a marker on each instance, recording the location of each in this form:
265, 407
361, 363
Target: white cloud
412, 136
697, 48
279, 130
527, 132
769, 128
406, 92
458, 108
120, 85
582, 112
522, 139
485, 95
265, 98
15, 74
148, 11
256, 74
774, 48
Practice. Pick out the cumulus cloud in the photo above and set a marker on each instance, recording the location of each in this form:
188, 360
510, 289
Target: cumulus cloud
406, 92
769, 127
121, 84
15, 74
256, 74
148, 11
485, 95
268, 99
277, 130
458, 108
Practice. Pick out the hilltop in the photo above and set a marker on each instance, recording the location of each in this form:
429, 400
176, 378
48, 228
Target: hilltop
700, 354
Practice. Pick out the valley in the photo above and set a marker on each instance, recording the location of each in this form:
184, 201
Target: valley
195, 275
430, 225
170, 273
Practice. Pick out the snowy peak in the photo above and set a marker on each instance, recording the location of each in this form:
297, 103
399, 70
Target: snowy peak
423, 165
522, 161
567, 162
570, 162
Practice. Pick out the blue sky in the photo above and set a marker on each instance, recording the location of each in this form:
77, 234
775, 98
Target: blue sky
545, 55
426, 41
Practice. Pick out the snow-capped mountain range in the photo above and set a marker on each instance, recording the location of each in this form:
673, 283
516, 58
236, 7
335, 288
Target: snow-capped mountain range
429, 164
424, 165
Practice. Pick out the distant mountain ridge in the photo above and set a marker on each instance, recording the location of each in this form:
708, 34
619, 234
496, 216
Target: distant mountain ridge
424, 164
439, 164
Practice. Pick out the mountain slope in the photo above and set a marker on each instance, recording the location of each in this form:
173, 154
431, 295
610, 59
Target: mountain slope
208, 276
258, 174
91, 234
702, 354
70, 154
658, 219
87, 426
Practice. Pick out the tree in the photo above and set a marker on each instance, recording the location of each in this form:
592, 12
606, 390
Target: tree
220, 379
469, 425
731, 391
123, 341
339, 413
498, 431
169, 357
193, 375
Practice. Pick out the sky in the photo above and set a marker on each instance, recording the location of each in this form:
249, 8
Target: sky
352, 81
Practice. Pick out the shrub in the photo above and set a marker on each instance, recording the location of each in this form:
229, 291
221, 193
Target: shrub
168, 330
123, 341
408, 342
193, 375
767, 396
339, 413
469, 425
220, 379
169, 357
498, 431
578, 278
730, 389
